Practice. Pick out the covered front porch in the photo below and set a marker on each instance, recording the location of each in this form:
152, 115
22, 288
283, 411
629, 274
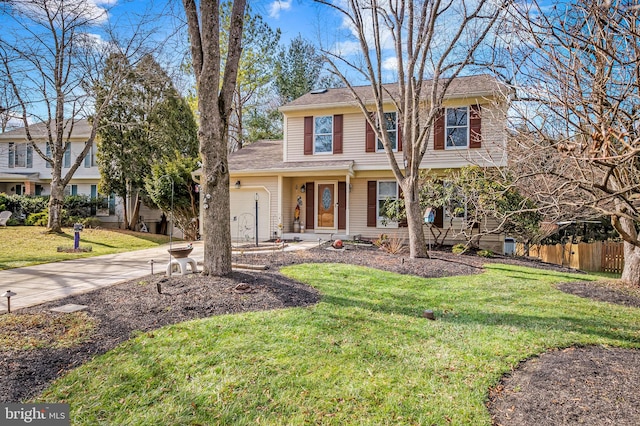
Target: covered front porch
21, 184
315, 206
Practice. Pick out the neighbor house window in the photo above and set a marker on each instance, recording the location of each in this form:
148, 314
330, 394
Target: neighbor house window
387, 191
457, 131
48, 152
67, 156
323, 134
20, 155
391, 126
90, 158
71, 190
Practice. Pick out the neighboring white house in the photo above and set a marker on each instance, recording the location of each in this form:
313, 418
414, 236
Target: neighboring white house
23, 171
331, 171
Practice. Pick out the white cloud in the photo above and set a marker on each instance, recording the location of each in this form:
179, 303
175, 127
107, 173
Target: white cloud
278, 6
94, 10
346, 48
390, 64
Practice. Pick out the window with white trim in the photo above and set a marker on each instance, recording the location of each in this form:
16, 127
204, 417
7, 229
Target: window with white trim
391, 126
323, 135
67, 156
20, 155
90, 159
387, 191
457, 128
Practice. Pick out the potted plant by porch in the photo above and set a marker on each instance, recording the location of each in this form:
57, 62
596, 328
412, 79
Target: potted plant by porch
296, 219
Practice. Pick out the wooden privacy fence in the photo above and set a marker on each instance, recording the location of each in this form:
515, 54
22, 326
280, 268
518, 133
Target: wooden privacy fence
600, 256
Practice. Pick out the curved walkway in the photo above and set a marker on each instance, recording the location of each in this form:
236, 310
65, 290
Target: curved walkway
51, 281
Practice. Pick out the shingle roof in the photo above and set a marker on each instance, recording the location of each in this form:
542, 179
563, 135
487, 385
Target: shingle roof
266, 156
81, 129
476, 85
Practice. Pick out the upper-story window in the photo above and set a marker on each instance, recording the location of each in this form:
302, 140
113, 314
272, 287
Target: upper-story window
20, 155
66, 159
391, 126
67, 156
458, 128
90, 159
323, 135
457, 120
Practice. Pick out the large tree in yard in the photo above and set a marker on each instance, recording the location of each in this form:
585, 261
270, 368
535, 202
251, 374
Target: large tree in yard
215, 85
577, 73
429, 43
51, 62
146, 121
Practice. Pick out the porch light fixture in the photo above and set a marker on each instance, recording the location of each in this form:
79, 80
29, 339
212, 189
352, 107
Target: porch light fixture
237, 184
303, 188
8, 294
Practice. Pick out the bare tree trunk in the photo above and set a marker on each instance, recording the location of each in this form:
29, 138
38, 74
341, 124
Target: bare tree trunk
56, 204
135, 213
631, 271
215, 185
417, 242
215, 102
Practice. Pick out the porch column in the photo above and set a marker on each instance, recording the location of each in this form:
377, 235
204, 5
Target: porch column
29, 188
348, 191
281, 231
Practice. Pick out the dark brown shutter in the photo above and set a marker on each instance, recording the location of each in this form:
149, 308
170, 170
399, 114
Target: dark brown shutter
308, 135
475, 127
438, 221
402, 223
309, 216
370, 138
438, 130
372, 201
337, 134
342, 205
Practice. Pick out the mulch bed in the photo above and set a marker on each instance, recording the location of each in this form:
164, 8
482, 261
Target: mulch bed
588, 385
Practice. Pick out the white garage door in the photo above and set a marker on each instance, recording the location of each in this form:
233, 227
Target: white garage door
243, 214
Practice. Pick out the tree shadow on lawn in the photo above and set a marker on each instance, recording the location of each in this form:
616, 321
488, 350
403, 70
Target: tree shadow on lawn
522, 274
591, 318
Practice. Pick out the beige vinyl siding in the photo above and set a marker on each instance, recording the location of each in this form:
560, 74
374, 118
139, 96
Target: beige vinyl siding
492, 152
353, 131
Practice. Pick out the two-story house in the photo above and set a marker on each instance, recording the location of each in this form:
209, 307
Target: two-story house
23, 171
332, 172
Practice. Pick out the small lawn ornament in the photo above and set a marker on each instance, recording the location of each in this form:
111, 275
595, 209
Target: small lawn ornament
76, 237
337, 244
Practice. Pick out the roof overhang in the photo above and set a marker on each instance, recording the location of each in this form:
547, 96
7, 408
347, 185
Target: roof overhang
355, 104
293, 169
20, 177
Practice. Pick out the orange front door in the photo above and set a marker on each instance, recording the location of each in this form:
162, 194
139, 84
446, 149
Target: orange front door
326, 205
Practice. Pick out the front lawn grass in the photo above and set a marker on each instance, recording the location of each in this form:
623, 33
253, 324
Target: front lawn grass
35, 331
30, 245
364, 355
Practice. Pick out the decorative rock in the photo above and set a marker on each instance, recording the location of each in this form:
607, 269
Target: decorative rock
428, 314
69, 308
337, 244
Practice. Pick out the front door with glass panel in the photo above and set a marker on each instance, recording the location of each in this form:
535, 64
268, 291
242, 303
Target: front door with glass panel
326, 202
